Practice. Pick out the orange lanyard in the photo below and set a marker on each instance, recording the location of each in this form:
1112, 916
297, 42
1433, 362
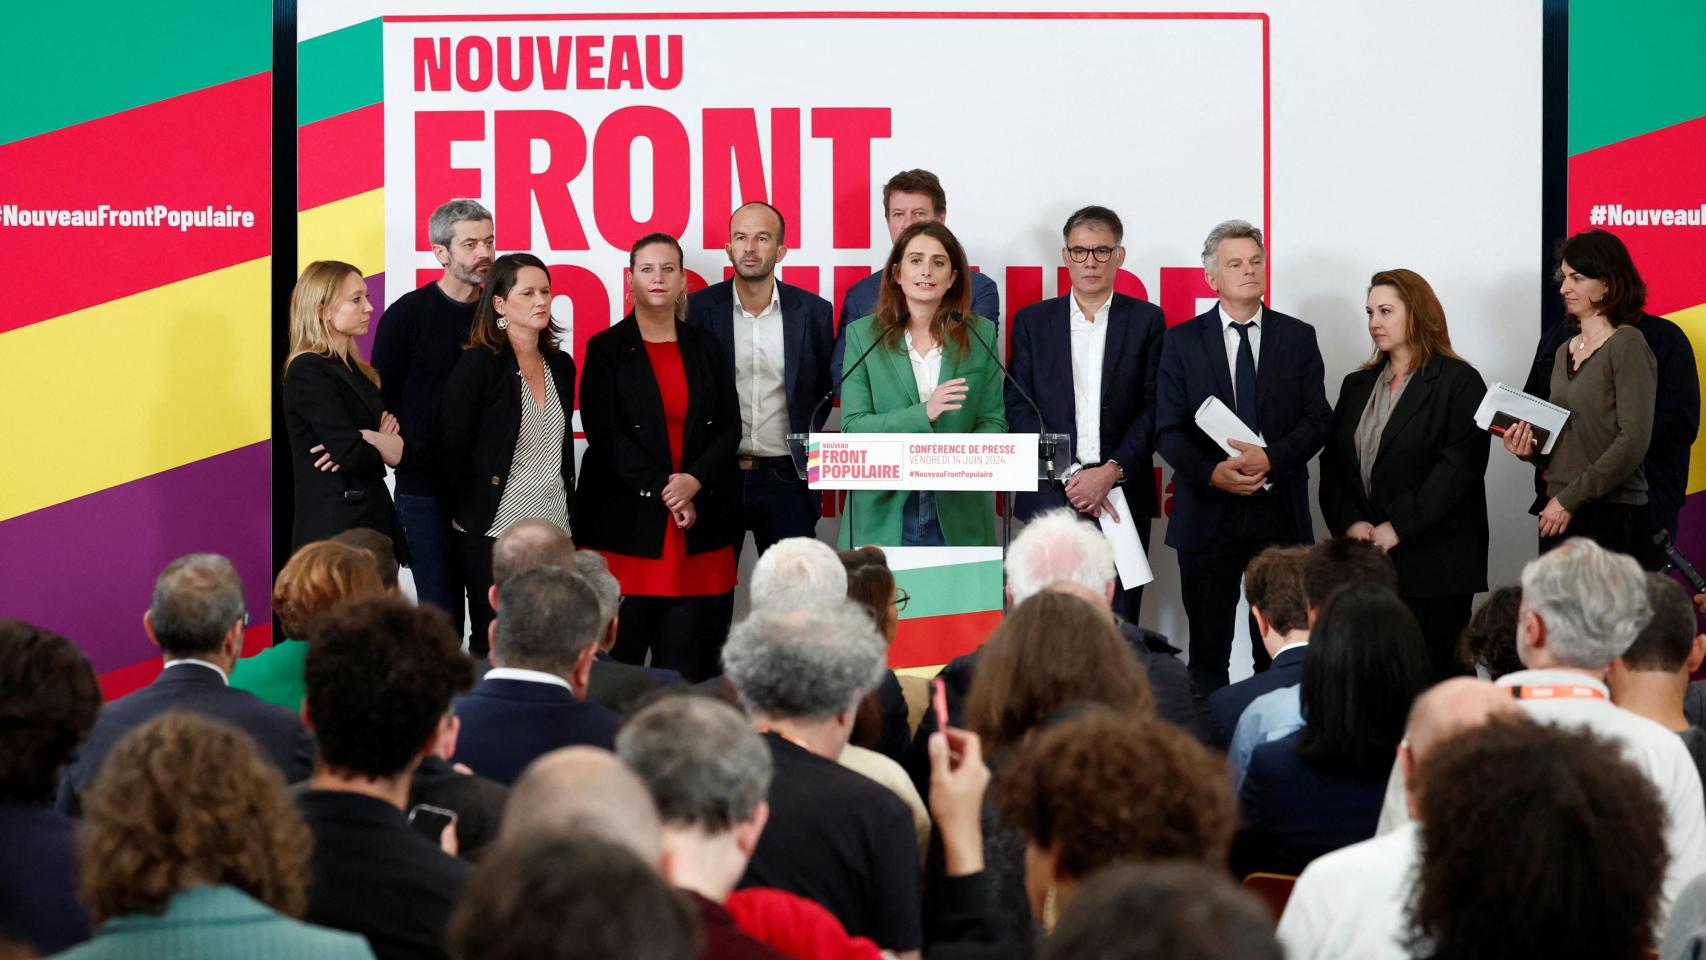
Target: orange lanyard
1570, 691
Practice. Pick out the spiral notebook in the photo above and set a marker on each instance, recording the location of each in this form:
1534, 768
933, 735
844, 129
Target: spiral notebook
1503, 406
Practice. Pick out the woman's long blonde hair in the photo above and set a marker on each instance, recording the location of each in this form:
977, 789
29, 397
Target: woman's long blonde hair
315, 291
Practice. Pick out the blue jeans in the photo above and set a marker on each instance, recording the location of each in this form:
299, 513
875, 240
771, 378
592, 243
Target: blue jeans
437, 578
919, 525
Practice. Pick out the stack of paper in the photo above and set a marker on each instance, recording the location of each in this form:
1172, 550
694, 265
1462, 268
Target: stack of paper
1218, 421
1503, 406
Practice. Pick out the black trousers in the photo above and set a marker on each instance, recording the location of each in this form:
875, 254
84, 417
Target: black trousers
684, 634
1442, 620
1209, 584
1623, 527
776, 504
474, 569
1129, 603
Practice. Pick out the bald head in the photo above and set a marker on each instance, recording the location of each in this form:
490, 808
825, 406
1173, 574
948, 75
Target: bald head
528, 545
583, 791
1443, 711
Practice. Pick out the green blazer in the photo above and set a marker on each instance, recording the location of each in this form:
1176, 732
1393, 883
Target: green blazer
275, 674
880, 396
216, 922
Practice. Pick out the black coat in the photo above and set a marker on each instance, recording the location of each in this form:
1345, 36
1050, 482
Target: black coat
628, 462
479, 426
1428, 479
326, 403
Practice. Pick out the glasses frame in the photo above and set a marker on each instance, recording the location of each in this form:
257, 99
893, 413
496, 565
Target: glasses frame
1102, 254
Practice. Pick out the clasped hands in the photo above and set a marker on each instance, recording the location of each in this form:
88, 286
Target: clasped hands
1243, 474
1382, 536
388, 440
678, 494
1088, 490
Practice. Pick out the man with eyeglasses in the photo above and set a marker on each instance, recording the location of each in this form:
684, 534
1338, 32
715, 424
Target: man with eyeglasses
1089, 360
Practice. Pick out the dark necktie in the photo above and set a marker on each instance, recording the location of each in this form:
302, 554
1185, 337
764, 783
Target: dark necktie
1244, 379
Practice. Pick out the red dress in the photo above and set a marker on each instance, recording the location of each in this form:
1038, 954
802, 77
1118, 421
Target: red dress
677, 573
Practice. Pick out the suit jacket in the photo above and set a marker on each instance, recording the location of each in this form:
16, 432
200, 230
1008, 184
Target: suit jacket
620, 687
808, 339
478, 802
1293, 411
1227, 704
1428, 480
507, 724
328, 404
628, 461
1041, 362
216, 922
38, 879
1294, 811
860, 300
278, 732
881, 396
479, 426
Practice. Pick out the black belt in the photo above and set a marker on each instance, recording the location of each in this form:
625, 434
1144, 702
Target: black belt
747, 462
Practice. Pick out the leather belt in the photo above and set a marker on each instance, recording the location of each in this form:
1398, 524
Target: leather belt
748, 462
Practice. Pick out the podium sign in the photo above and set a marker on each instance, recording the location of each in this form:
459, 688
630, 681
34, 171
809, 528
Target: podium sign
921, 461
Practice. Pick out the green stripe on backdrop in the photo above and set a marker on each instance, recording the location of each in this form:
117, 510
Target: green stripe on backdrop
1635, 66
64, 63
339, 71
956, 588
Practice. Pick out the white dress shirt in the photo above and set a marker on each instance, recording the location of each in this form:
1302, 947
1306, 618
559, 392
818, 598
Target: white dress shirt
200, 663
1234, 342
1351, 904
760, 377
926, 368
1089, 346
529, 676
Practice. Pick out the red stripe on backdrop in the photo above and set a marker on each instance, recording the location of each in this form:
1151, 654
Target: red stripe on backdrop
210, 148
929, 641
117, 683
340, 156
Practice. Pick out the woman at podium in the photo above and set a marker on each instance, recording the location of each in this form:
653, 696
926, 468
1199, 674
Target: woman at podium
920, 364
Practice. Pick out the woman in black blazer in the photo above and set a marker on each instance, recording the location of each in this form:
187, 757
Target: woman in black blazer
506, 435
1404, 465
658, 491
341, 440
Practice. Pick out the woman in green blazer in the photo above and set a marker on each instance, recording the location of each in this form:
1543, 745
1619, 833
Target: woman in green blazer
924, 376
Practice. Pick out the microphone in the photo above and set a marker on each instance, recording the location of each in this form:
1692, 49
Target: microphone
1674, 555
1046, 446
836, 389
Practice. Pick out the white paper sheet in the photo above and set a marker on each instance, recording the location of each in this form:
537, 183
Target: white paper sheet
1218, 421
1504, 405
1129, 558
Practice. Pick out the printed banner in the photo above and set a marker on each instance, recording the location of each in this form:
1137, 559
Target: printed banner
922, 461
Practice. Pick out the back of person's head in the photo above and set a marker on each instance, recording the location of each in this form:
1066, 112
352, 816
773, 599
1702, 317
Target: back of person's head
1592, 602
380, 675
49, 698
527, 545
582, 791
798, 572
382, 547
1058, 546
571, 898
1336, 562
870, 583
706, 767
185, 800
1162, 911
1489, 641
810, 663
1053, 650
1274, 583
1538, 835
1102, 787
197, 599
549, 618
1442, 712
591, 566
1667, 641
1366, 664
317, 578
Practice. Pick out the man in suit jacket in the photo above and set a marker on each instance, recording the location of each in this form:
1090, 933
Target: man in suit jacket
196, 618
1274, 584
1266, 368
1088, 359
777, 340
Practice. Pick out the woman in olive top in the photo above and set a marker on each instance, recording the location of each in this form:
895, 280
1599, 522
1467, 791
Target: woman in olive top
925, 375
1607, 377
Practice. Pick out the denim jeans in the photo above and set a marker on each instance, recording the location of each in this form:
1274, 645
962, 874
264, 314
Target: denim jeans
919, 525
432, 561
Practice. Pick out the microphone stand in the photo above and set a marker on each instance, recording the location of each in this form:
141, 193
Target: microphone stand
812, 420
1045, 446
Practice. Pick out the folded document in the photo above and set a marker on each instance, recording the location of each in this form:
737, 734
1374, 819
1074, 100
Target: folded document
1503, 406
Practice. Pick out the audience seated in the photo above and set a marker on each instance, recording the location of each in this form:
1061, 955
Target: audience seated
48, 701
478, 802
381, 674
881, 725
797, 572
317, 578
530, 702
384, 551
1488, 646
1320, 788
190, 851
196, 617
1273, 583
616, 686
834, 836
1164, 911
1650, 679
583, 791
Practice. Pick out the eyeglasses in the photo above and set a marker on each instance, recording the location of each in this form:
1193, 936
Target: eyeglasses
1080, 254
901, 598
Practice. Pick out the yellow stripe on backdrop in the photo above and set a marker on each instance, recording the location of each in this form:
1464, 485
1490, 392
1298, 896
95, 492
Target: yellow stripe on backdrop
351, 230
1693, 322
135, 386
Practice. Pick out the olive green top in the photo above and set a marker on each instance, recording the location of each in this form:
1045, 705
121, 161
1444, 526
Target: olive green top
1610, 398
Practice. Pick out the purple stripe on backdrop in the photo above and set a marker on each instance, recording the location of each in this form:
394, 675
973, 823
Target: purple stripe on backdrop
375, 296
85, 568
1691, 530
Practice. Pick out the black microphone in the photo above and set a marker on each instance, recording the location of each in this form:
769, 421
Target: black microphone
1679, 562
1046, 445
836, 389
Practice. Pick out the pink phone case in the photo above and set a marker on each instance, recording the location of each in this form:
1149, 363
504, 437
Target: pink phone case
939, 700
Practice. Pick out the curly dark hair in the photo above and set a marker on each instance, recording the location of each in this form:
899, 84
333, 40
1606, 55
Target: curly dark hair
380, 673
1536, 835
49, 698
186, 799
1162, 911
562, 897
1103, 787
1490, 638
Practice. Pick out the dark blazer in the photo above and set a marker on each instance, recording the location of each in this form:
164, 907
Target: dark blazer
478, 802
479, 426
1294, 811
808, 340
328, 403
1429, 478
1041, 362
507, 724
278, 733
620, 687
1293, 410
1228, 703
627, 461
38, 879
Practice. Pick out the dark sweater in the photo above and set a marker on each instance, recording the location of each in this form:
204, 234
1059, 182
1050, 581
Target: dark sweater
418, 341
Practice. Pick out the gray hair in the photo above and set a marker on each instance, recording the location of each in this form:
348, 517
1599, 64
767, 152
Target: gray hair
582, 791
591, 566
798, 572
703, 762
1592, 600
1058, 546
1229, 230
528, 545
441, 226
809, 663
547, 618
196, 600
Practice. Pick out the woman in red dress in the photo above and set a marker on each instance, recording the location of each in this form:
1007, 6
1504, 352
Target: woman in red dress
657, 482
